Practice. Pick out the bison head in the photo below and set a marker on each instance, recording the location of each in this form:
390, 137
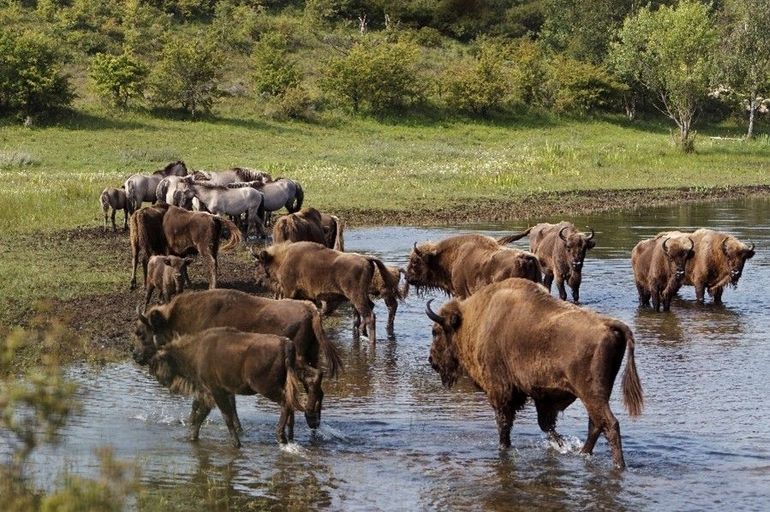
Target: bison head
576, 245
163, 368
264, 273
423, 270
149, 333
736, 253
312, 379
443, 352
678, 252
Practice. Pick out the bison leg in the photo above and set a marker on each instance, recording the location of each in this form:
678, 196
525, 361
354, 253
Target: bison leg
546, 419
392, 304
717, 293
593, 435
225, 403
656, 300
700, 292
200, 411
236, 419
211, 263
644, 295
548, 280
285, 422
604, 421
574, 284
560, 287
149, 289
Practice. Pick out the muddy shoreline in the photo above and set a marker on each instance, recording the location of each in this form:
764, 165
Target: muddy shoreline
105, 320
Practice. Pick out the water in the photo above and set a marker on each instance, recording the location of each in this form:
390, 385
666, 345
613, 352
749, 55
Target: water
393, 439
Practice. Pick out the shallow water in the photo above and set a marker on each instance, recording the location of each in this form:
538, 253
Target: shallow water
393, 439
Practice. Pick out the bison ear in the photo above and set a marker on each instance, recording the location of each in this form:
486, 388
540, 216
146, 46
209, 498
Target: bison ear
157, 320
455, 320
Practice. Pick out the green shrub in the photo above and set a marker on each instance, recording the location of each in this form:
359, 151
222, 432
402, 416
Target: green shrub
375, 75
274, 70
118, 78
187, 75
32, 80
482, 84
580, 87
529, 73
295, 103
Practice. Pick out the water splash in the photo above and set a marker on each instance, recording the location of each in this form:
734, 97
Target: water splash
293, 448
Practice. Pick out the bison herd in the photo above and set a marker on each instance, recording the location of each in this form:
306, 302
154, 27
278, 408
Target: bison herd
502, 328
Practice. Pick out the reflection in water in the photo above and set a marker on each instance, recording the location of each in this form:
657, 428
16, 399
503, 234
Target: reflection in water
392, 438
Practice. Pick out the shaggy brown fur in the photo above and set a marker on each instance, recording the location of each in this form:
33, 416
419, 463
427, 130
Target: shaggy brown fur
718, 262
166, 273
308, 270
561, 250
164, 229
114, 198
514, 340
659, 268
218, 363
310, 225
194, 312
460, 265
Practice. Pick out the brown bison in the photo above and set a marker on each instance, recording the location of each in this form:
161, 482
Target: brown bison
165, 229
309, 225
391, 297
514, 340
166, 273
217, 364
114, 198
460, 265
659, 268
194, 312
561, 249
309, 270
718, 262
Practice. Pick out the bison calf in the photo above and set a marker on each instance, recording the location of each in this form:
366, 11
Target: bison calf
514, 340
219, 363
114, 198
659, 268
167, 274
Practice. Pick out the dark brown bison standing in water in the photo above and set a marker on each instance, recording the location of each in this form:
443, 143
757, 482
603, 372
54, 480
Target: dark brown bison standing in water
659, 268
561, 250
514, 340
217, 364
460, 265
309, 270
718, 262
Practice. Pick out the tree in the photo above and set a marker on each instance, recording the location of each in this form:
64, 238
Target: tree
745, 53
483, 84
118, 78
32, 81
671, 52
274, 70
187, 75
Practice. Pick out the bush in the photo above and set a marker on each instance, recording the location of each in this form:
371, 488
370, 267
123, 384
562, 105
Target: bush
118, 78
376, 75
529, 73
294, 103
580, 87
481, 85
187, 75
32, 81
274, 70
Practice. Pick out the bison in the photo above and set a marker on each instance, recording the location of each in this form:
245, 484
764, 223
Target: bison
460, 265
165, 229
391, 297
718, 262
561, 249
659, 267
309, 270
166, 273
514, 340
194, 312
309, 225
114, 198
219, 363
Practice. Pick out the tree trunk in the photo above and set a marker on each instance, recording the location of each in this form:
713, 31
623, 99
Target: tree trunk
752, 114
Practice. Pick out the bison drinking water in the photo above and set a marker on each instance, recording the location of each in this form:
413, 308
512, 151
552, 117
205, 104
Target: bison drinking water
659, 268
460, 265
561, 250
514, 340
218, 363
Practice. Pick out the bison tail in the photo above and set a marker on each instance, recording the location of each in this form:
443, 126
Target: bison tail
235, 233
633, 398
512, 238
339, 241
331, 354
292, 385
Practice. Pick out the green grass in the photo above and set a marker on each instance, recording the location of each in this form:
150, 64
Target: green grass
50, 177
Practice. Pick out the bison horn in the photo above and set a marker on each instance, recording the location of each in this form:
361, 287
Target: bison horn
432, 315
665, 248
589, 237
692, 244
416, 250
561, 233
142, 318
752, 247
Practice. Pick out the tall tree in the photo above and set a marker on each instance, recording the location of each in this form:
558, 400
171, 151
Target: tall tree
745, 55
671, 52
